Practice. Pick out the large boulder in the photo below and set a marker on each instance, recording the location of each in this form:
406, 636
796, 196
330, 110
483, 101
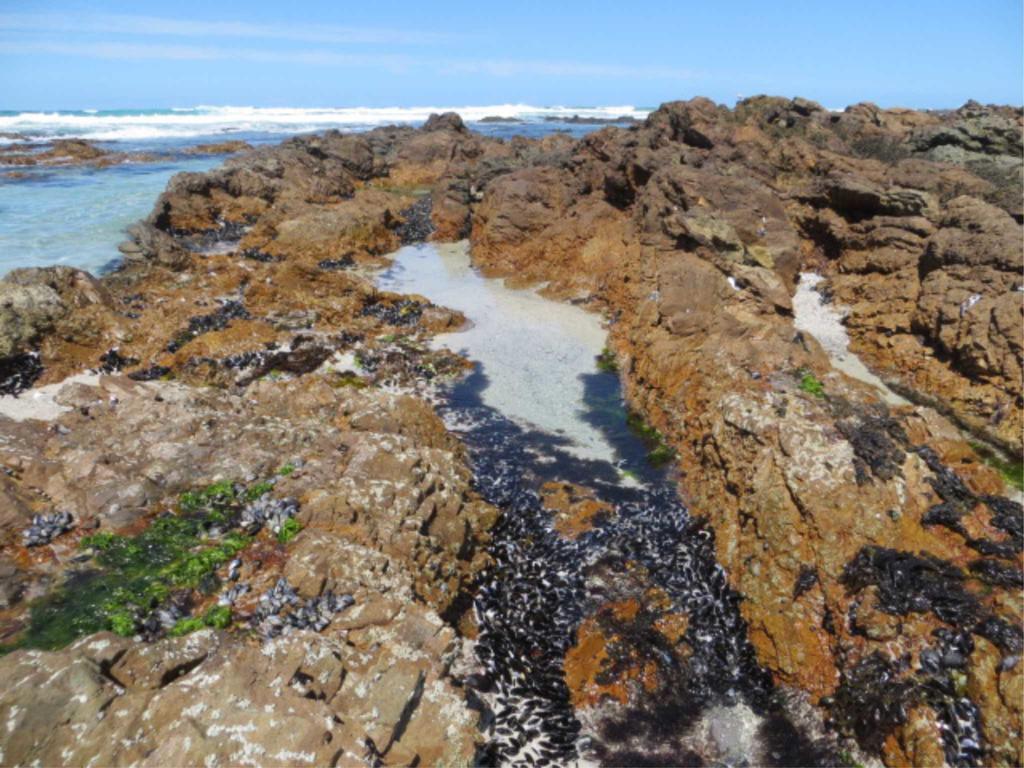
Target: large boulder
27, 312
971, 303
149, 244
77, 288
388, 518
446, 121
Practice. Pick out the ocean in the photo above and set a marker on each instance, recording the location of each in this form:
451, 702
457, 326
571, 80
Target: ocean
77, 215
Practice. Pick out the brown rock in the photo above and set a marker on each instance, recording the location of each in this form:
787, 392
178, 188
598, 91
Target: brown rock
26, 313
219, 148
780, 473
1000, 693
574, 508
647, 225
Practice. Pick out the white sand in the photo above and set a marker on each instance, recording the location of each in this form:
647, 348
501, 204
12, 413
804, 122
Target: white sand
825, 323
532, 350
39, 403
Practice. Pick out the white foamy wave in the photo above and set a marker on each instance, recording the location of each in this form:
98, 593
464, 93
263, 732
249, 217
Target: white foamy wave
185, 122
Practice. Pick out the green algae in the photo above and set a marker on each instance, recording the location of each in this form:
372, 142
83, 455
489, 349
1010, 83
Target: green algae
1011, 471
659, 453
286, 470
606, 362
643, 430
810, 384
123, 624
217, 617
129, 576
289, 530
192, 568
254, 492
216, 495
405, 190
186, 626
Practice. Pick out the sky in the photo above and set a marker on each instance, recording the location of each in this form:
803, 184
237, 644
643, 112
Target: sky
109, 54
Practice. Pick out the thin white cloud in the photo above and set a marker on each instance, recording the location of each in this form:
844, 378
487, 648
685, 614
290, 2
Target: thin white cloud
139, 51
161, 26
398, 63
513, 67
114, 50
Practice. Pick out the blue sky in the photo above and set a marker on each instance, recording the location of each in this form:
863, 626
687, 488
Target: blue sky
113, 54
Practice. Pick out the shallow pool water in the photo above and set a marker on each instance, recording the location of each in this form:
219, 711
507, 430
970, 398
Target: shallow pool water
534, 354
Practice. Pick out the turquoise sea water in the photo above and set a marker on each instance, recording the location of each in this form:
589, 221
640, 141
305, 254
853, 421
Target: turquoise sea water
77, 216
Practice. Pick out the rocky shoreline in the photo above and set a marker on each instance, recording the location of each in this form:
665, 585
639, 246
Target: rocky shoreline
876, 557
26, 154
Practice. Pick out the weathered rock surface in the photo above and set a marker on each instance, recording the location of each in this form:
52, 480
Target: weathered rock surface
66, 152
877, 557
26, 313
386, 512
371, 695
705, 218
387, 517
219, 148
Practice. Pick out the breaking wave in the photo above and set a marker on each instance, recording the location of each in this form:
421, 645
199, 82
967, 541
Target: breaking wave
187, 122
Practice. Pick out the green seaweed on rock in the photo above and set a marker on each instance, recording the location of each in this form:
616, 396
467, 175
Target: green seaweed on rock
218, 494
186, 626
606, 362
1011, 471
191, 568
810, 383
217, 617
254, 492
659, 453
289, 530
130, 576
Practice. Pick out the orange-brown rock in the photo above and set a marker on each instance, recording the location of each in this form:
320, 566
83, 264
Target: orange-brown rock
698, 261
585, 662
66, 152
856, 534
388, 517
219, 148
1002, 705
575, 509
919, 743
609, 663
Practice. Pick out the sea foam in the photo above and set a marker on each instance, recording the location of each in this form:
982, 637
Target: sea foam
186, 122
